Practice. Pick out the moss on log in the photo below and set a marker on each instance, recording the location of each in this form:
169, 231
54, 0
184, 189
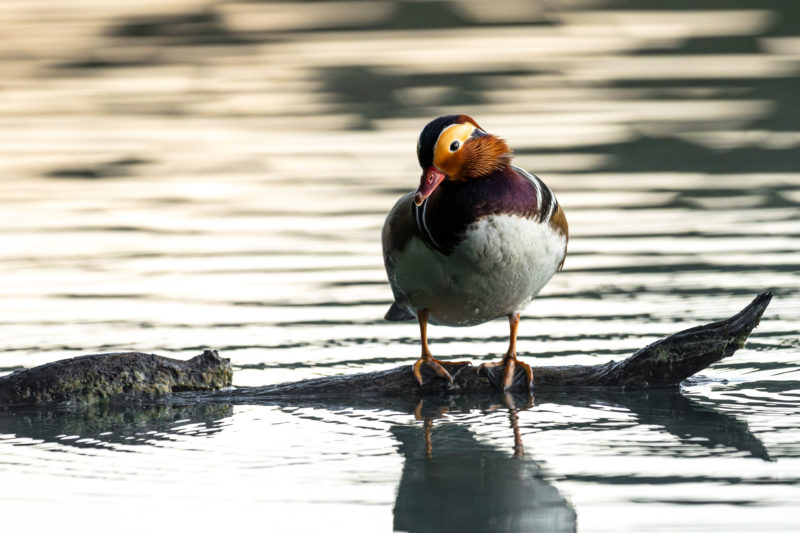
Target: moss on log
115, 376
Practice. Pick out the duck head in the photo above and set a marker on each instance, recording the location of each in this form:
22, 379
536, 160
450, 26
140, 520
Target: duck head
455, 147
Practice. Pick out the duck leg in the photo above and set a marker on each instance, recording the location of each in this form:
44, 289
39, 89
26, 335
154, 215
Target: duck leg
427, 360
512, 366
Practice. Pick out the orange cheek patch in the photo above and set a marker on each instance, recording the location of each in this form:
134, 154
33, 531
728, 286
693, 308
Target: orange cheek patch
447, 161
452, 165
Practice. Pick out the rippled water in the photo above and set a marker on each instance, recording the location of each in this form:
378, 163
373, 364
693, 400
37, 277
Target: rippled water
181, 175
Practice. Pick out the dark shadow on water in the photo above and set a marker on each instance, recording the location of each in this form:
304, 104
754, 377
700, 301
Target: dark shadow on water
117, 168
370, 92
199, 28
666, 154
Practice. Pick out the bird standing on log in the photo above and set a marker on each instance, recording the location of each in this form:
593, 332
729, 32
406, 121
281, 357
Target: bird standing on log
477, 240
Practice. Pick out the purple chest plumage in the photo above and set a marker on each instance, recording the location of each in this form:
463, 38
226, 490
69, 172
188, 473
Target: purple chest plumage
446, 215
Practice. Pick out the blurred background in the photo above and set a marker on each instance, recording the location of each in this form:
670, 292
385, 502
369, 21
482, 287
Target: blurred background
186, 174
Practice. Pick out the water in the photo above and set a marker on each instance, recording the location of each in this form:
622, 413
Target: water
181, 175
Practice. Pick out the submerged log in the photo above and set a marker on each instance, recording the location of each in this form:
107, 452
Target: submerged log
138, 376
116, 376
666, 362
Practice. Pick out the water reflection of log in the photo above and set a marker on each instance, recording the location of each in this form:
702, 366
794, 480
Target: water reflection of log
693, 422
102, 424
690, 421
453, 482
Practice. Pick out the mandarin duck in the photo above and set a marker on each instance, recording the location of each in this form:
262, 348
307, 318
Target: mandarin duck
477, 240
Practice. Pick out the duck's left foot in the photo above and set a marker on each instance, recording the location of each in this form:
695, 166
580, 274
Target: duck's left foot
510, 373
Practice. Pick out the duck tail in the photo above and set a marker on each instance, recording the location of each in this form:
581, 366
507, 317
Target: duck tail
398, 314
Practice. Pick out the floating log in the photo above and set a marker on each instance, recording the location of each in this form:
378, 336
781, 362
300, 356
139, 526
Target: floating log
114, 376
137, 376
666, 362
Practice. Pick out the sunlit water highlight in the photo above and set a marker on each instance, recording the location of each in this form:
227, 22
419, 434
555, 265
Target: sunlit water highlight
179, 177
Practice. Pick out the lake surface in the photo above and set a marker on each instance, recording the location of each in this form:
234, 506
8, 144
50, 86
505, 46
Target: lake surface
181, 175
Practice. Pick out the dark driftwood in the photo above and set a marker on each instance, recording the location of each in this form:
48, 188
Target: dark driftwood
666, 362
138, 376
119, 376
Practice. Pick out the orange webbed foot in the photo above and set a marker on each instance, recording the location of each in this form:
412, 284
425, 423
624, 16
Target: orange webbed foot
510, 373
426, 369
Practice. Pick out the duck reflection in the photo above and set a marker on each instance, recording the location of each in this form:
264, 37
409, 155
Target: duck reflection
451, 481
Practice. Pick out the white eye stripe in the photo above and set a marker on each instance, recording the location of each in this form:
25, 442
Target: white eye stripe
444, 157
439, 138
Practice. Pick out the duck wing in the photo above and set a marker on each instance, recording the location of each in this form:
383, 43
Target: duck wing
400, 227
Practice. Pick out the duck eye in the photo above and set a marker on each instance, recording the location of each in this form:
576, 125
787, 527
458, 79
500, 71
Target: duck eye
454, 146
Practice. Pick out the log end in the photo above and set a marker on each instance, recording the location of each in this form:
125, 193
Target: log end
114, 377
672, 359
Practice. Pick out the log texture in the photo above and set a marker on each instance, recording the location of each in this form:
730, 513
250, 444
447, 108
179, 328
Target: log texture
666, 362
115, 376
138, 376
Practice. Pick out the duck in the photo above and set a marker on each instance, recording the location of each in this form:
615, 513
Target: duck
476, 241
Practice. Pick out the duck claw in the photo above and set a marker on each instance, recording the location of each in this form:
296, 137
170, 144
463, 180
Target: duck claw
426, 370
507, 375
